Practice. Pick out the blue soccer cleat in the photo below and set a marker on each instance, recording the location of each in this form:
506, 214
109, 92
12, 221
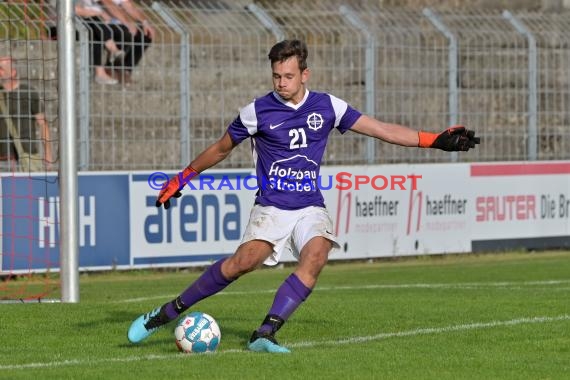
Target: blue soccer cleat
145, 325
265, 343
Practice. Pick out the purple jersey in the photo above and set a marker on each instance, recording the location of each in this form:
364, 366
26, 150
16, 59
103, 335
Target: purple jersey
288, 144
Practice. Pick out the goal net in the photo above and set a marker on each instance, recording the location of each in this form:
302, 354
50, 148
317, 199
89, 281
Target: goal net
29, 201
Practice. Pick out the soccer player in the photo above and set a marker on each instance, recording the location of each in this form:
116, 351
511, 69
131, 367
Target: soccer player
289, 128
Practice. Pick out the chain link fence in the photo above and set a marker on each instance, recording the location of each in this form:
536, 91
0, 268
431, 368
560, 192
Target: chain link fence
504, 74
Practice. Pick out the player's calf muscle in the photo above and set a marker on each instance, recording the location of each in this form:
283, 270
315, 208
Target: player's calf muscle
247, 258
311, 264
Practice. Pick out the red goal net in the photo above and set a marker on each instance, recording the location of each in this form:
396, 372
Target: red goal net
29, 232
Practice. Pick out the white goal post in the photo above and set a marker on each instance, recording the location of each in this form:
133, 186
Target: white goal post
69, 254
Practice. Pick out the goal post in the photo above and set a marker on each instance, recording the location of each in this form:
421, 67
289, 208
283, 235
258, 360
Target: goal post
69, 219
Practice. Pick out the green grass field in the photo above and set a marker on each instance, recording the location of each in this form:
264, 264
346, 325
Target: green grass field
496, 316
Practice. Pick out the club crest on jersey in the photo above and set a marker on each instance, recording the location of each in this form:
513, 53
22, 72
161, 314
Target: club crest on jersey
315, 121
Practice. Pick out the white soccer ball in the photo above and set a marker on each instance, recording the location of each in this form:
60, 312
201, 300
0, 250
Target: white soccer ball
197, 332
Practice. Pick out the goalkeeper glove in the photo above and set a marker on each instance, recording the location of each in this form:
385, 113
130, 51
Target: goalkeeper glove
173, 186
456, 138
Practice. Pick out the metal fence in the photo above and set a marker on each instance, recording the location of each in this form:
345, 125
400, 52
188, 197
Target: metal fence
504, 74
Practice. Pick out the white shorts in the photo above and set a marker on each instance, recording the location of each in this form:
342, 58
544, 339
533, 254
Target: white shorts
288, 230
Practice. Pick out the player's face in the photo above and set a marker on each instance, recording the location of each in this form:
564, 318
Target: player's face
289, 80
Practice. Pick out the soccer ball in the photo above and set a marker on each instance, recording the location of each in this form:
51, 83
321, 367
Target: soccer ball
197, 332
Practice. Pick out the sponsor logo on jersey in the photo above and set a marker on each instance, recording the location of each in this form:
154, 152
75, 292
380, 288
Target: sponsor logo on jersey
297, 173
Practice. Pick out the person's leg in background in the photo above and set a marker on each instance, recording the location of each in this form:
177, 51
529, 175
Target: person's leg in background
123, 39
139, 44
97, 42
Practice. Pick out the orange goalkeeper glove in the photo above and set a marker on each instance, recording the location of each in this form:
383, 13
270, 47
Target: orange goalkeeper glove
173, 186
453, 139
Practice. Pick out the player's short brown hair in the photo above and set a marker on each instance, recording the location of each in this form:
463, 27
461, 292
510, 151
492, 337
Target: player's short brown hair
286, 49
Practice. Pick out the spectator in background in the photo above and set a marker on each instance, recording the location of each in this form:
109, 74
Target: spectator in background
137, 35
101, 35
24, 109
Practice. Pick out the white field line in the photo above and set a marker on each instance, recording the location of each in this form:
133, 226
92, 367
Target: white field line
435, 330
359, 339
465, 285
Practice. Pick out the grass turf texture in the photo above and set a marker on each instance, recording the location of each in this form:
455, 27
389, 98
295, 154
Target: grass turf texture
496, 316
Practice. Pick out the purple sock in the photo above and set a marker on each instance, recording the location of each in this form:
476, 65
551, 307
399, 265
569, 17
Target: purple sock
287, 299
209, 283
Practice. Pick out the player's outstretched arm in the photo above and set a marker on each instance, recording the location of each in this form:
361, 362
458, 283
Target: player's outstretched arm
456, 138
215, 153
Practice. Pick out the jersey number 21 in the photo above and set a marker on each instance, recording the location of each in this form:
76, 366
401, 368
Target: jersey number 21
298, 138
